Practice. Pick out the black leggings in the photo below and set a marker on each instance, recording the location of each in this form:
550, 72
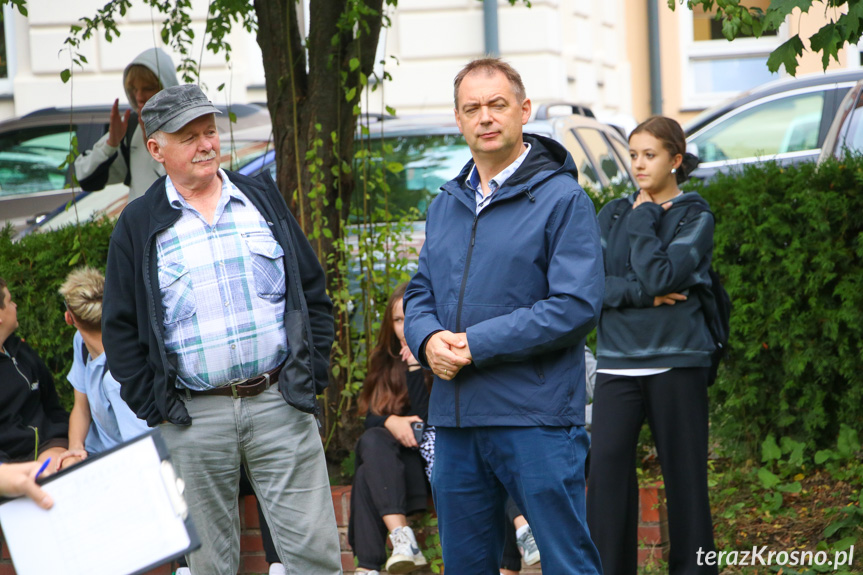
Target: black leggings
511, 556
389, 479
675, 405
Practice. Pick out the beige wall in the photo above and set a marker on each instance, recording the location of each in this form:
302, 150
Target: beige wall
40, 57
565, 50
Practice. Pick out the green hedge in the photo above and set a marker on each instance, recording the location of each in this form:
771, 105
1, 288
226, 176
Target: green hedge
789, 247
35, 268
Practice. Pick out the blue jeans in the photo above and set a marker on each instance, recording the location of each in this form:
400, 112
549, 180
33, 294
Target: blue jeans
282, 451
542, 469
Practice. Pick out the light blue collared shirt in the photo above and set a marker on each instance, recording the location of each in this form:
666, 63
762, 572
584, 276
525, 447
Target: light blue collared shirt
222, 291
111, 420
496, 182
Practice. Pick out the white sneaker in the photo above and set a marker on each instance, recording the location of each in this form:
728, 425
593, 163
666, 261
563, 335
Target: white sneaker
183, 571
277, 569
366, 572
527, 545
406, 556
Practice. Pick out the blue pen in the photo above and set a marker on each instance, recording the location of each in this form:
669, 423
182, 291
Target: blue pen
43, 468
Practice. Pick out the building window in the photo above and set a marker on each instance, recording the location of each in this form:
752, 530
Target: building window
715, 69
7, 49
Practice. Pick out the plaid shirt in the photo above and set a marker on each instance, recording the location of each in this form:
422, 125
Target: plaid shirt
496, 182
223, 290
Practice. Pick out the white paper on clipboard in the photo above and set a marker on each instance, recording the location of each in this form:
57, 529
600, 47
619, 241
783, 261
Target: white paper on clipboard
112, 515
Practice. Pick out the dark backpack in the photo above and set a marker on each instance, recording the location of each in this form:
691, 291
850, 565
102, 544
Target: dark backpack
716, 305
715, 301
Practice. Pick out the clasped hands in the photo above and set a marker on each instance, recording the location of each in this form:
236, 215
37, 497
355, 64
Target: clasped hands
447, 353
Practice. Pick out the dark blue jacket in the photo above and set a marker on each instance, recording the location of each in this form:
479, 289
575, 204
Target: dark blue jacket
524, 279
648, 252
132, 322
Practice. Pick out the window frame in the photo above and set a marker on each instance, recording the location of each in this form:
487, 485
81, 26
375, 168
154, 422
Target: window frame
692, 52
6, 84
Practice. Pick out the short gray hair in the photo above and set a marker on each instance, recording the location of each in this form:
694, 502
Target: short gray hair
490, 66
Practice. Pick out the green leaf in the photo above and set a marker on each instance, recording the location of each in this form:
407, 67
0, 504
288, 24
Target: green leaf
827, 40
848, 444
823, 455
790, 487
65, 75
351, 94
786, 55
232, 117
354, 63
844, 544
768, 479
831, 529
770, 450
390, 110
781, 9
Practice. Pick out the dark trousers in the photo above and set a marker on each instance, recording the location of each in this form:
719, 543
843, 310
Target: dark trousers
675, 405
389, 479
542, 468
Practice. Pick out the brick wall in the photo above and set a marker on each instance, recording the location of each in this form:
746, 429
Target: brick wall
652, 534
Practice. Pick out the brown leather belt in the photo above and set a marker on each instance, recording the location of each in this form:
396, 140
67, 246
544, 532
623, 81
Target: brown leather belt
246, 387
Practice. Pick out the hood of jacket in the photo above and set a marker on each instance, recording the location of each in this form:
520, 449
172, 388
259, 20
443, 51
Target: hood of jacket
159, 63
547, 158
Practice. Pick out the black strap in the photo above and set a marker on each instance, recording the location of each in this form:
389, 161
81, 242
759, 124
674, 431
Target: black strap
85, 354
126, 145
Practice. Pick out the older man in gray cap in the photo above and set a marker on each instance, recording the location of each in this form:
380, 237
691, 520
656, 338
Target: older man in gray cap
217, 324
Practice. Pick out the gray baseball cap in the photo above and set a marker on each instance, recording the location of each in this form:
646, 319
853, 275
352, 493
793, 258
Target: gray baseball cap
174, 107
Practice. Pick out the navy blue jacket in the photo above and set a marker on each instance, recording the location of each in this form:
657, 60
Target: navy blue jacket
648, 252
132, 322
524, 279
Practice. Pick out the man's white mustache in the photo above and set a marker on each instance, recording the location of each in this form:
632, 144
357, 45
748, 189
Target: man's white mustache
203, 158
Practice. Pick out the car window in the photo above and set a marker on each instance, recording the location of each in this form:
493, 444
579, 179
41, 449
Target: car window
602, 153
30, 160
586, 171
854, 136
427, 162
779, 126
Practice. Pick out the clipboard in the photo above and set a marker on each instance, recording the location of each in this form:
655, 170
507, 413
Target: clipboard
119, 512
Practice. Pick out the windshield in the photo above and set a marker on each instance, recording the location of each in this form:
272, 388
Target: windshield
415, 169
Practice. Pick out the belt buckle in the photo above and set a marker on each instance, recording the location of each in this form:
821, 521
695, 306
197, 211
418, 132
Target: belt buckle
234, 385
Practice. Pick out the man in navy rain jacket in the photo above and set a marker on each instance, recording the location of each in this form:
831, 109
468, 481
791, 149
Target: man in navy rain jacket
510, 282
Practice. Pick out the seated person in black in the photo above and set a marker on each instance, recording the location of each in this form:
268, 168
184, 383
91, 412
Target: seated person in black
390, 483
33, 424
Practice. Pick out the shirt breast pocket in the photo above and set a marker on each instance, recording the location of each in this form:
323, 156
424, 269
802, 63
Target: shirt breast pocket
267, 266
178, 297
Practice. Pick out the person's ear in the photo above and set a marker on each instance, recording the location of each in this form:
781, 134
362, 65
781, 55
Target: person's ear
70, 319
526, 108
155, 150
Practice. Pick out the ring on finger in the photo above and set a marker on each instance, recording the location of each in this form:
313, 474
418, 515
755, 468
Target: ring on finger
446, 372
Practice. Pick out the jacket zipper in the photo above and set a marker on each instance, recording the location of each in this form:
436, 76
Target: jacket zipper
27, 381
460, 302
